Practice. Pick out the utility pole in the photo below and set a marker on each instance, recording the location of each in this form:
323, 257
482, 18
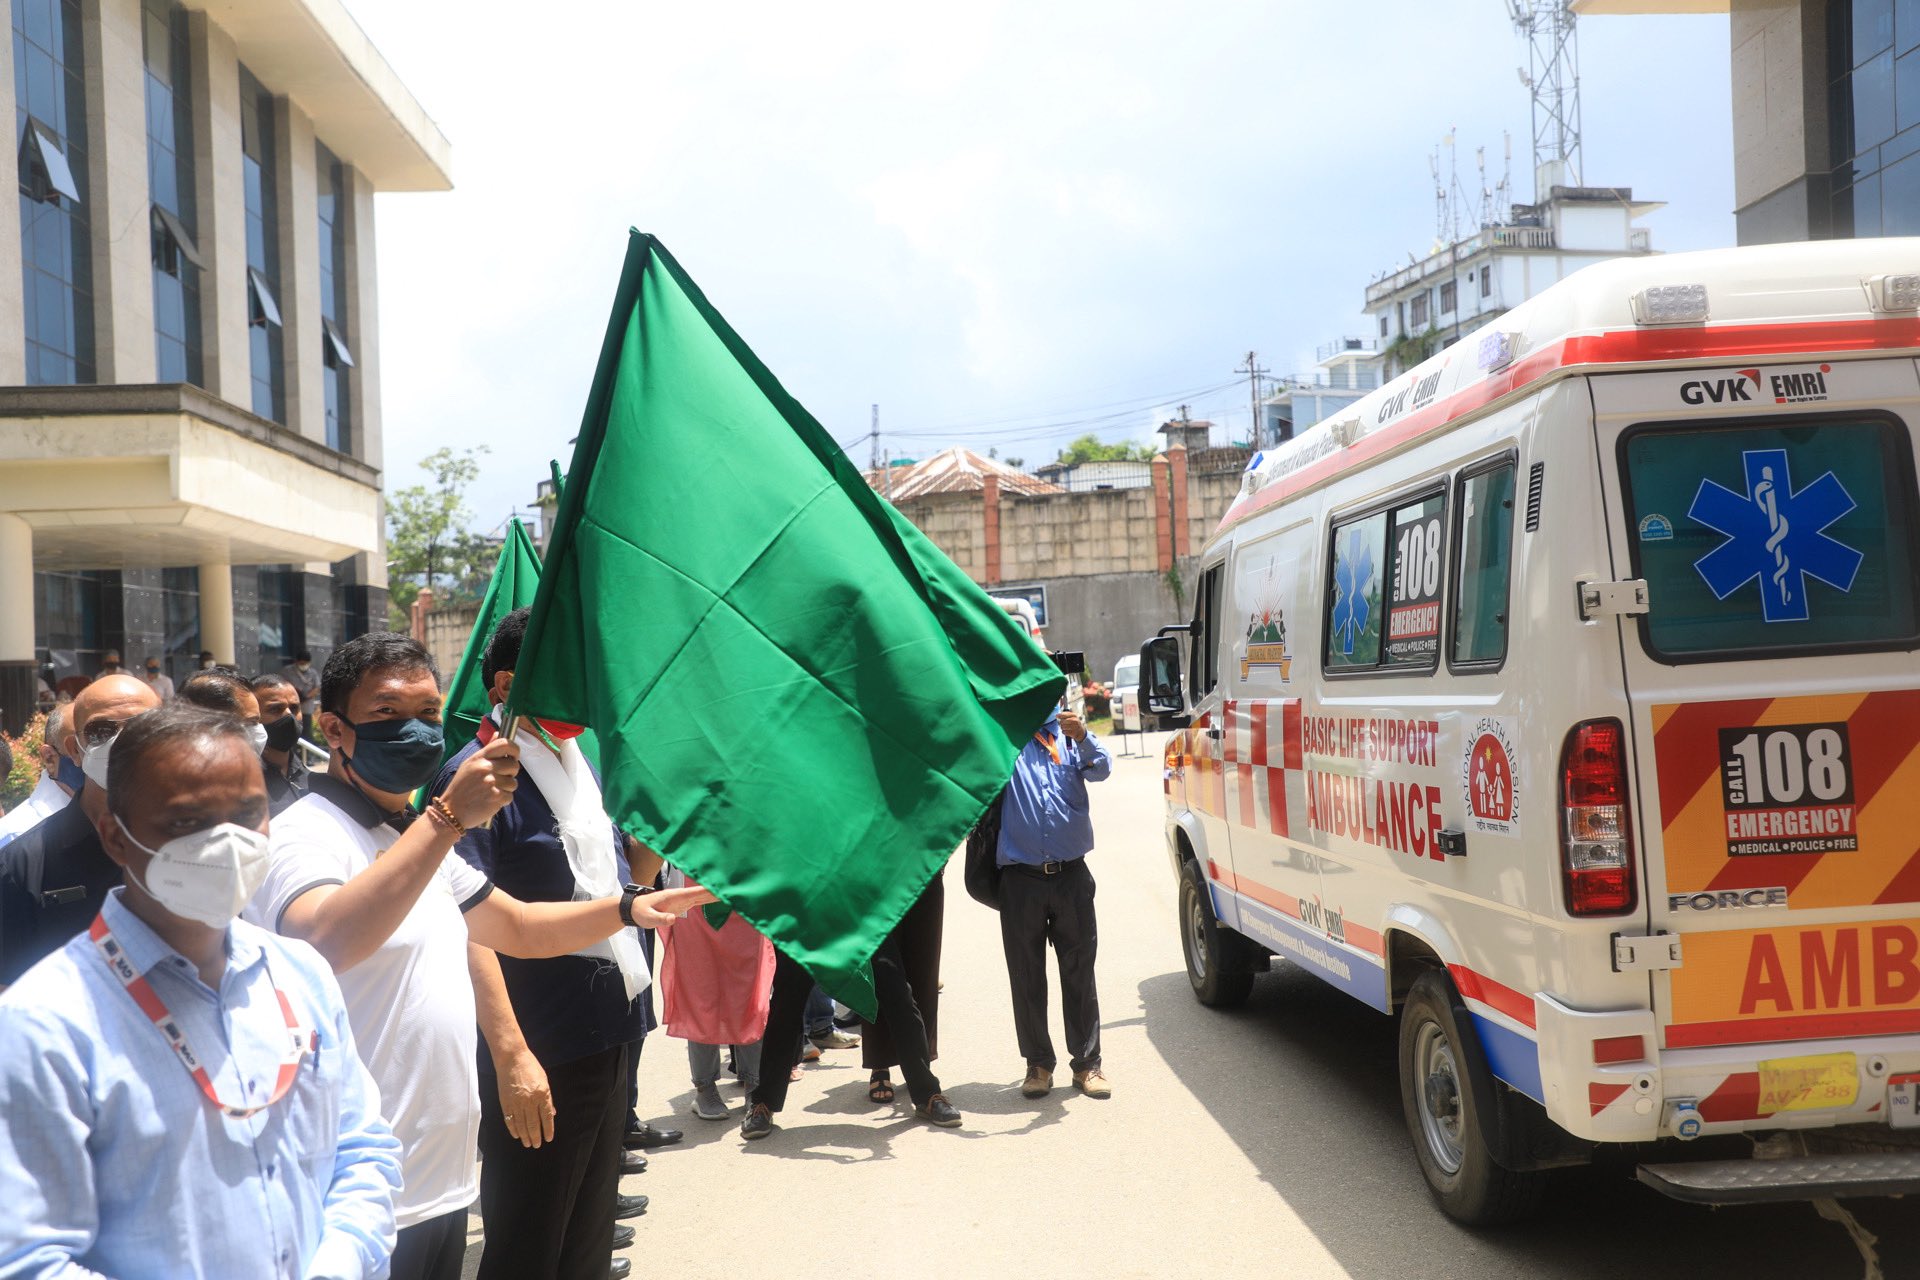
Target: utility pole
874, 435
1253, 372
880, 454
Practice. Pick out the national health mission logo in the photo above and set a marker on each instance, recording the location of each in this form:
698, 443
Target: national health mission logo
1775, 534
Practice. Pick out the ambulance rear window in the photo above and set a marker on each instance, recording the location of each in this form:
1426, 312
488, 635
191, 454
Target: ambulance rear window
1760, 540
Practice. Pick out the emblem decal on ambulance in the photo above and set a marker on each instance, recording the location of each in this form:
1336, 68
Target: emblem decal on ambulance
1352, 577
1776, 535
1490, 776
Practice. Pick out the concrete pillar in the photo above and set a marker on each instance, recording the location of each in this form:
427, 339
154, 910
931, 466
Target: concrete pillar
1162, 514
363, 332
16, 623
990, 497
216, 610
220, 205
118, 191
299, 231
1177, 481
1781, 161
13, 289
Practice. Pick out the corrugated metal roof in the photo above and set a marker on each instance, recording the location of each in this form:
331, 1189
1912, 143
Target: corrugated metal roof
955, 471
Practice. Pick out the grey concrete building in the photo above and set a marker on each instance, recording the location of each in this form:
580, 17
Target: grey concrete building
1826, 113
190, 435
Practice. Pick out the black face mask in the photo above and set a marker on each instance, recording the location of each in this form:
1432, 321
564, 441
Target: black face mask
396, 756
282, 733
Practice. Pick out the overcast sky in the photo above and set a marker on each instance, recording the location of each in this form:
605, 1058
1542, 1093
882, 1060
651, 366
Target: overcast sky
1004, 223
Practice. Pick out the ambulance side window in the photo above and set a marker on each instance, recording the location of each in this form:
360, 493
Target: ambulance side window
1204, 671
1483, 565
1383, 598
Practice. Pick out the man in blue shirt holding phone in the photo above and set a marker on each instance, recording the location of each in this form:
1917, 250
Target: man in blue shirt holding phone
1046, 895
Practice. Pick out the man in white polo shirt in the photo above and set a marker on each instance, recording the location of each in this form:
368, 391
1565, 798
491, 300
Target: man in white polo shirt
382, 899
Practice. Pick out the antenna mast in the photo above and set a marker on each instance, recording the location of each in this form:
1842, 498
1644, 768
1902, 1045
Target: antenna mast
1552, 74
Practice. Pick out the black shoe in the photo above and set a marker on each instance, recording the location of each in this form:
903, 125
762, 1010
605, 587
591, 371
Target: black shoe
629, 1206
632, 1162
759, 1122
622, 1236
644, 1137
620, 1270
938, 1111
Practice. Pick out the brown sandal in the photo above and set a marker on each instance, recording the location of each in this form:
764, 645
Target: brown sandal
880, 1090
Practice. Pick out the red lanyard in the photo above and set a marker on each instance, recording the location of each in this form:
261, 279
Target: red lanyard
299, 1042
1048, 741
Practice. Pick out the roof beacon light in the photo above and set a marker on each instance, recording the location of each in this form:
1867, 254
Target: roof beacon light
1895, 293
1671, 304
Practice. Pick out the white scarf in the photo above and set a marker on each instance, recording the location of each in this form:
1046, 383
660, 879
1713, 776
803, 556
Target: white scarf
567, 784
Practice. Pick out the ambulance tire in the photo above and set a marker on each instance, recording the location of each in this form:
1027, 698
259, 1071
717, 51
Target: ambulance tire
1443, 1077
1217, 966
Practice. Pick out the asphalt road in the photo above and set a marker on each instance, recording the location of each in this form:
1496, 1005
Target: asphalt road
1264, 1141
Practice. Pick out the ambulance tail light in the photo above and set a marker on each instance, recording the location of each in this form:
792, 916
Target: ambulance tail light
1596, 845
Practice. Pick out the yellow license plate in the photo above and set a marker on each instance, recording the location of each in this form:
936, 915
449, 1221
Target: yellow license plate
1813, 1083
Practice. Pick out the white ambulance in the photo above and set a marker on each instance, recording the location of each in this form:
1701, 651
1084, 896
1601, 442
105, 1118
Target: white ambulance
1563, 697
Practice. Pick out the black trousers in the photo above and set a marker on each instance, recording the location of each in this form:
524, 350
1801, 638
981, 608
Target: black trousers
1036, 909
780, 1046
548, 1212
431, 1250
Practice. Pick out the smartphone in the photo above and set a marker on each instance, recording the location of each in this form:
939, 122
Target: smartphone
1072, 664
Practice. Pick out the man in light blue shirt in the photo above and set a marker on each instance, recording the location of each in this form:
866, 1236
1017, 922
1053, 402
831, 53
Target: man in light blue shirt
1046, 895
182, 1092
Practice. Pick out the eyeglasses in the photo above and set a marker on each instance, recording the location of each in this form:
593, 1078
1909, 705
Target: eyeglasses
101, 731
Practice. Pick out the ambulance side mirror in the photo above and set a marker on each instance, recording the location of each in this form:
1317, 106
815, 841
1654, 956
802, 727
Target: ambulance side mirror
1160, 690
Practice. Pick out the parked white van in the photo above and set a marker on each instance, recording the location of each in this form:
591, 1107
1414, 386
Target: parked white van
1562, 697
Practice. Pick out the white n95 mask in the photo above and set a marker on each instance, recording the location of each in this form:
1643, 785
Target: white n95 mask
207, 875
257, 734
93, 762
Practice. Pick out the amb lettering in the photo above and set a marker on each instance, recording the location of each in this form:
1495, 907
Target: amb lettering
1401, 816
1820, 971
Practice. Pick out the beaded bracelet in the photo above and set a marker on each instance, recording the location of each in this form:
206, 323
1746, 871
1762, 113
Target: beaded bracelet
439, 808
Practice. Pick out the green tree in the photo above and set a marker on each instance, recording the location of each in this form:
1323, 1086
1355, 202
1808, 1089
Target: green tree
428, 542
1089, 448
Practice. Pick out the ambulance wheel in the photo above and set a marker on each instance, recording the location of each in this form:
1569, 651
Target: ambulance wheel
1442, 1074
1216, 962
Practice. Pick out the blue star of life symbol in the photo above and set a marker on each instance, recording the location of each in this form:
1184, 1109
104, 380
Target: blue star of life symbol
1775, 534
1350, 577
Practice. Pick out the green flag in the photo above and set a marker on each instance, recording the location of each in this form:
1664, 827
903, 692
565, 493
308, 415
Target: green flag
516, 576
801, 702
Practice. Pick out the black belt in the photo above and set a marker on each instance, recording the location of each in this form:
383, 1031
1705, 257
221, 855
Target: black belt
1044, 869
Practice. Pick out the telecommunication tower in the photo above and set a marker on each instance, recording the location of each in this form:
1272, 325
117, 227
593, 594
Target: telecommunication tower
1552, 75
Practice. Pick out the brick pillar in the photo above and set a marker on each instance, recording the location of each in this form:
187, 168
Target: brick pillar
990, 499
1162, 514
1177, 478
422, 606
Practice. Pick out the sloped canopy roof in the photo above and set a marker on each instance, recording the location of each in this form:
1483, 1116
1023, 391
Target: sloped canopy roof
955, 471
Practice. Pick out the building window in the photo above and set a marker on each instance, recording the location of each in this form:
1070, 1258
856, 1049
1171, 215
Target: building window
1421, 301
1383, 326
1449, 298
176, 253
1873, 112
282, 617
263, 249
56, 246
1486, 281
336, 353
180, 589
69, 621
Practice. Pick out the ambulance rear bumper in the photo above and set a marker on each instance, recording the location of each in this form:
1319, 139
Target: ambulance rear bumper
1814, 1177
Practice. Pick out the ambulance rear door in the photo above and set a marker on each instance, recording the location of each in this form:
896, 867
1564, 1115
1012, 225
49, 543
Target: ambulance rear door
1770, 510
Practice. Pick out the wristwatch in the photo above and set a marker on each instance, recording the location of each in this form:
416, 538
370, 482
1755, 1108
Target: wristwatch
627, 895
